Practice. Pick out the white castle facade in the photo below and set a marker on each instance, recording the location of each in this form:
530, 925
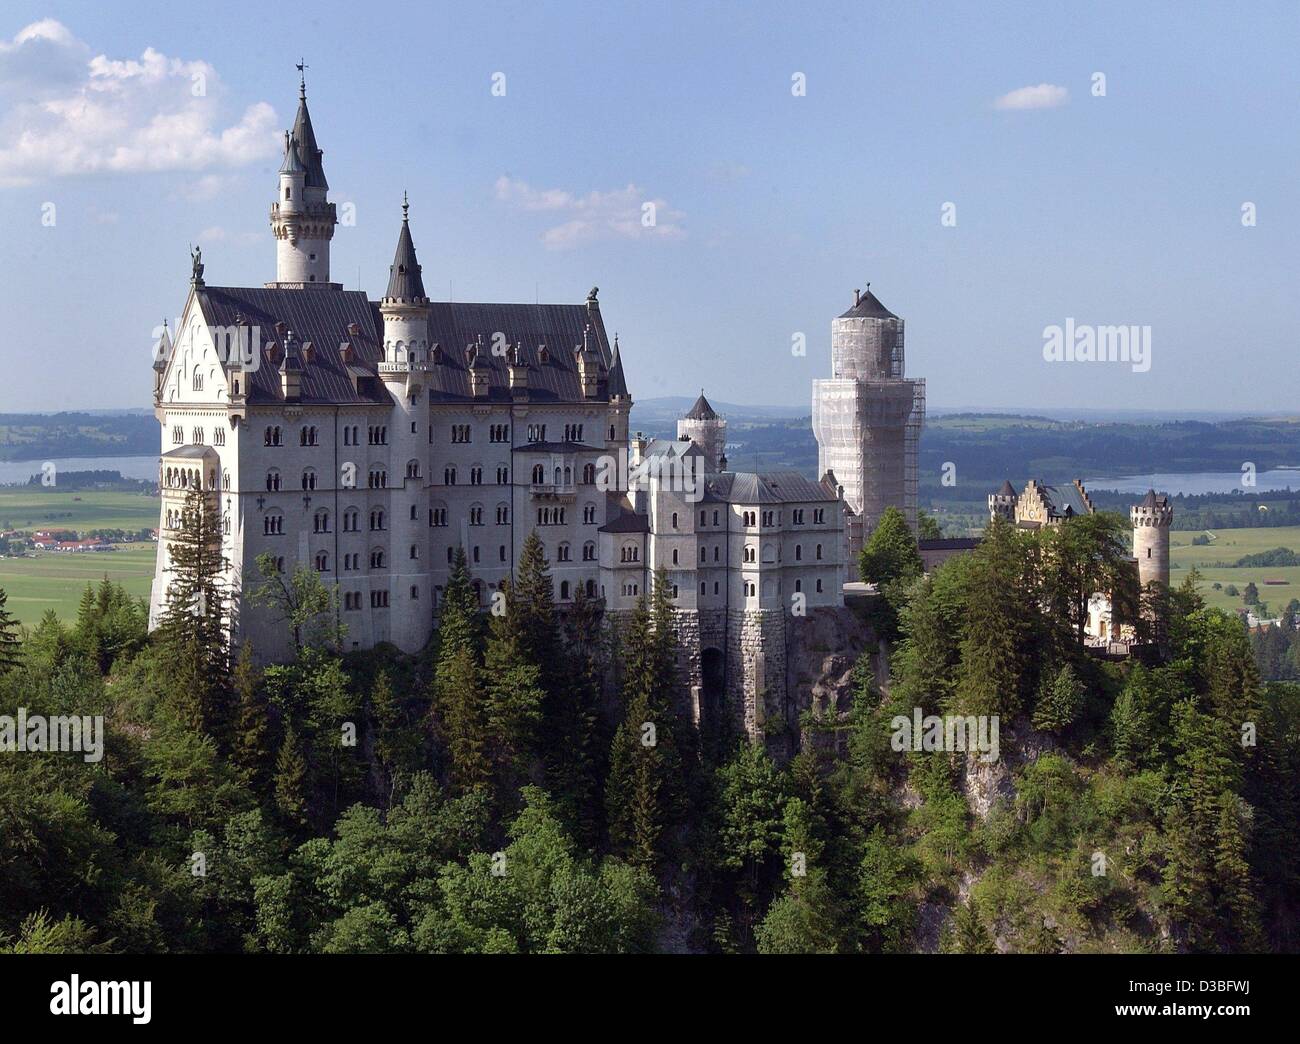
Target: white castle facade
367, 440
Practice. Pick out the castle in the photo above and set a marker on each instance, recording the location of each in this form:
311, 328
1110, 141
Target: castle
1039, 505
367, 440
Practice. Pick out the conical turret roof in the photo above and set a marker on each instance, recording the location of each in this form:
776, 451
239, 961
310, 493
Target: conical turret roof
404, 281
701, 410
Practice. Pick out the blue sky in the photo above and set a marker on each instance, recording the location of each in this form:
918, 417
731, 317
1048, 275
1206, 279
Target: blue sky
770, 208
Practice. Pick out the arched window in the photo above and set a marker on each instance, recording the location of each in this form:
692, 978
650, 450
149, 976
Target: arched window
377, 558
539, 474
309, 478
322, 562
272, 480
320, 522
588, 474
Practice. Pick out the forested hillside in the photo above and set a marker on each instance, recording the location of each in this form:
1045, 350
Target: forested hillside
531, 783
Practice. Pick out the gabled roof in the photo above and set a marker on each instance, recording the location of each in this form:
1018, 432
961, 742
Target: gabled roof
322, 317
1065, 501
868, 306
701, 410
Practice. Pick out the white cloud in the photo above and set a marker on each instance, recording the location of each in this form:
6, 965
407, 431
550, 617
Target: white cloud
1042, 96
619, 213
72, 113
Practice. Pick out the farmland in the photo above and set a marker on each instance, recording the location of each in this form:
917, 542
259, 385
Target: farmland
1214, 560
55, 580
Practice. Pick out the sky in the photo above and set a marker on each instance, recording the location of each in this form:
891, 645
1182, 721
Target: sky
993, 170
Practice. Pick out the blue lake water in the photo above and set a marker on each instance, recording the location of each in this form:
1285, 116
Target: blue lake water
1193, 483
130, 467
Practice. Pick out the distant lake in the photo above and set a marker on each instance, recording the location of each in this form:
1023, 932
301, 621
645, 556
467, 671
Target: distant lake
131, 467
1194, 483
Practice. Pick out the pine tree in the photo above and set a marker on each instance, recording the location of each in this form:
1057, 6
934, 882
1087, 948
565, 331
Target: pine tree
291, 782
1060, 701
644, 792
250, 748
459, 700
995, 668
9, 642
464, 720
193, 626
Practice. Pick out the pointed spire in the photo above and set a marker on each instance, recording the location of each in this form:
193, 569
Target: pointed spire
617, 386
404, 281
305, 136
702, 410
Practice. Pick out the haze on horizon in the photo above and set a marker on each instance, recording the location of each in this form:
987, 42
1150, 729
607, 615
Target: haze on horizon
771, 206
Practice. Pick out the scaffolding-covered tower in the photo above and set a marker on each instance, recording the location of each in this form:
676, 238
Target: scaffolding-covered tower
868, 417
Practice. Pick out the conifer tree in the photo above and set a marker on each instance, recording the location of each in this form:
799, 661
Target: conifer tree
193, 626
1059, 702
9, 642
464, 720
250, 748
995, 668
291, 781
643, 793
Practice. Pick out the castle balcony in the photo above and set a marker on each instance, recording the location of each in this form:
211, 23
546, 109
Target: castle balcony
561, 491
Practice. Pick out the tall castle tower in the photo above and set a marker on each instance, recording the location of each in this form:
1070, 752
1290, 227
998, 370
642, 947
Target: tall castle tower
1002, 504
404, 372
868, 416
1151, 521
703, 426
302, 218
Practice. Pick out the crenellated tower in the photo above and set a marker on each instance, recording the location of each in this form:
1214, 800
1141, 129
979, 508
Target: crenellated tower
1151, 520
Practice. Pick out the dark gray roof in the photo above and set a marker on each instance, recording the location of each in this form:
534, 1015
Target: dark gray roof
949, 544
559, 327
1065, 500
868, 307
322, 317
617, 382
404, 281
1152, 501
292, 157
701, 410
1007, 490
306, 138
774, 487
555, 447
621, 516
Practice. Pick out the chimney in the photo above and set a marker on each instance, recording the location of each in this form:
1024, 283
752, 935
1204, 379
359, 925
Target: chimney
857, 297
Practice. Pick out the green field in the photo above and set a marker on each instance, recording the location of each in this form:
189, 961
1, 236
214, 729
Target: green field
1228, 546
55, 580
30, 508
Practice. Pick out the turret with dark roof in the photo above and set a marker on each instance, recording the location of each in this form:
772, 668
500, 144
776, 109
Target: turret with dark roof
867, 306
305, 136
404, 281
701, 410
